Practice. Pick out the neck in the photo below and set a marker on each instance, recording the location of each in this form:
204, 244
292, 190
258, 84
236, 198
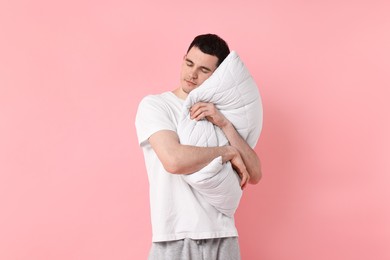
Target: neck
180, 93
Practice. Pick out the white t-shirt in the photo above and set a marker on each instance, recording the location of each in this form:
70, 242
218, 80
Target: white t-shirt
177, 210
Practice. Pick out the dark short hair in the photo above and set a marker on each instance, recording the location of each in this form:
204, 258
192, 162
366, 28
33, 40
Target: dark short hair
211, 44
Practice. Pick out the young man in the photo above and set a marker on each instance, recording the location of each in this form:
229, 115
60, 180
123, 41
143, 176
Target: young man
184, 225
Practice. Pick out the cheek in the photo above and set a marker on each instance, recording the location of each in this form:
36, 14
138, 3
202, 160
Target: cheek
183, 71
202, 78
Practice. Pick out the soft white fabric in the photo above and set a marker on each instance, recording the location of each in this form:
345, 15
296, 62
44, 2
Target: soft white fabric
234, 92
177, 210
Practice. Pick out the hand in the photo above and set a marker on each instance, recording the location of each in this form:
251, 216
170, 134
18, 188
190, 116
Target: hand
203, 110
240, 168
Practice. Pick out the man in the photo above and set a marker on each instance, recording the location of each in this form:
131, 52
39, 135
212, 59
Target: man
184, 225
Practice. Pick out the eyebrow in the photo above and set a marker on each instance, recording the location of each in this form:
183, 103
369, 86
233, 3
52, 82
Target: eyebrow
202, 67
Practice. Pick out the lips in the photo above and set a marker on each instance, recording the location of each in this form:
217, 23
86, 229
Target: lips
190, 83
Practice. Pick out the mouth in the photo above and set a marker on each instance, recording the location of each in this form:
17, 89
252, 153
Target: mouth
190, 83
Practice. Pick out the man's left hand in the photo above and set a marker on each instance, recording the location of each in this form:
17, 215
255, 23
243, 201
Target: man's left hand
203, 110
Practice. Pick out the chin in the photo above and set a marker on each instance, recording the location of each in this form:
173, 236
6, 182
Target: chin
186, 88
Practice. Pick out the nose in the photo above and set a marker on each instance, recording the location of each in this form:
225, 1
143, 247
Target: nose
193, 74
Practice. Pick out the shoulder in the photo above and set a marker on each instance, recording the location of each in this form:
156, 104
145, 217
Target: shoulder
151, 99
150, 103
161, 106
164, 102
155, 113
154, 100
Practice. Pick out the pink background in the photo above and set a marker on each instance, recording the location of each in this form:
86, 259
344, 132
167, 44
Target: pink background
72, 178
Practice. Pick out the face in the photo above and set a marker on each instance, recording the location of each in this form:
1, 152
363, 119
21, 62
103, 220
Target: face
196, 68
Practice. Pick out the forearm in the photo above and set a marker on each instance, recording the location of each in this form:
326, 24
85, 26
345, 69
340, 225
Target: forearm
206, 110
189, 159
249, 156
184, 159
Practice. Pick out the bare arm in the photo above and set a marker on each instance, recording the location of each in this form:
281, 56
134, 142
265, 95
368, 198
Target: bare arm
211, 113
185, 159
249, 156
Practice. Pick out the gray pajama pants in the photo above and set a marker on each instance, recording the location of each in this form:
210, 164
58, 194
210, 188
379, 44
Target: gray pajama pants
225, 248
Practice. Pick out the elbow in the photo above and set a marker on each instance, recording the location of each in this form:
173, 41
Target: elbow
255, 180
257, 174
256, 177
172, 165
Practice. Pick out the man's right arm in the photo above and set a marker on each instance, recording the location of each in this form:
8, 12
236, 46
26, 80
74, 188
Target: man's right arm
185, 159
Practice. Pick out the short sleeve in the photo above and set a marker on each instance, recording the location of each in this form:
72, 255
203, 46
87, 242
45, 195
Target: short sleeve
152, 116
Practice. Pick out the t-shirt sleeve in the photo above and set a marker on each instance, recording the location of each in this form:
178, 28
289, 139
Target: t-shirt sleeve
152, 116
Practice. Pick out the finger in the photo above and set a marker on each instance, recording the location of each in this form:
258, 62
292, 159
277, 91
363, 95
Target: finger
198, 105
244, 181
200, 113
206, 108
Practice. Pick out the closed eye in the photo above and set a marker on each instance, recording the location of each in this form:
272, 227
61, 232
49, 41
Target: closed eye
189, 62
